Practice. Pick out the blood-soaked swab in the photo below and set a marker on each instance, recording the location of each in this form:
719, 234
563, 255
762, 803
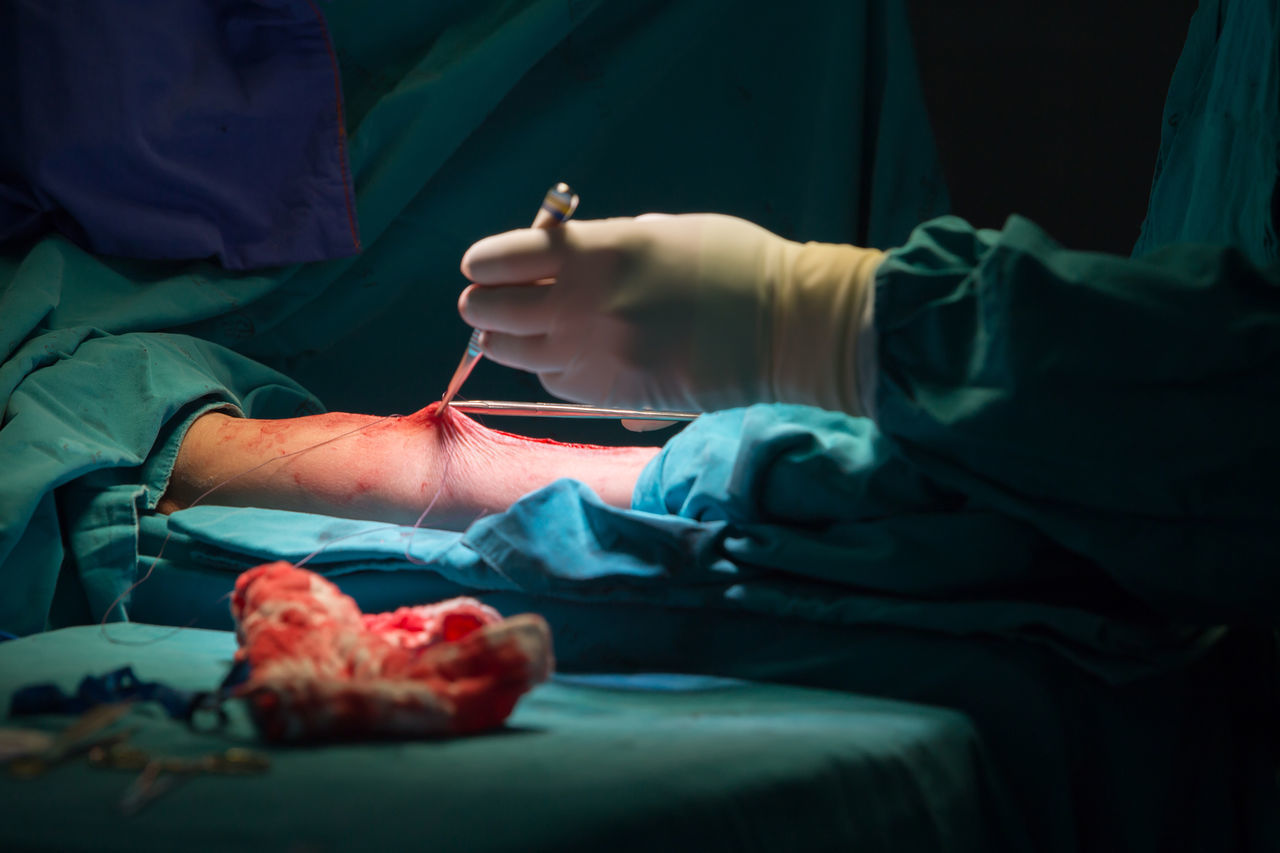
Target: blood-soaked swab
320, 669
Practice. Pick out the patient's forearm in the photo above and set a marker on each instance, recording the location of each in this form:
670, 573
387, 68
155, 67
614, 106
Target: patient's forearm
390, 469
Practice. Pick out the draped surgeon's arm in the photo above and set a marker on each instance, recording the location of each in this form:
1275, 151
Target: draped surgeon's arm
385, 469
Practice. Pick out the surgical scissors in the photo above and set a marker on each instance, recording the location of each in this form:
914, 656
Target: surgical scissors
557, 206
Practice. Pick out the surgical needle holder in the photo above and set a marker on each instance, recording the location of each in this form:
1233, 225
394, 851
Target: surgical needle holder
557, 206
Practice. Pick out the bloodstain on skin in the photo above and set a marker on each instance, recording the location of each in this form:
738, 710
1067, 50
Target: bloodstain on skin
453, 421
270, 434
431, 416
537, 440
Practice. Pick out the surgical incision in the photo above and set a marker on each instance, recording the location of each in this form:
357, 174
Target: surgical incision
384, 468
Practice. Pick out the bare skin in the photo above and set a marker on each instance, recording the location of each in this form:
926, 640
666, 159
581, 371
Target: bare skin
384, 469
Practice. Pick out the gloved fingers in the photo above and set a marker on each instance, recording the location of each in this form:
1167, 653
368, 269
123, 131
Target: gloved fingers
646, 426
513, 309
563, 384
527, 254
535, 353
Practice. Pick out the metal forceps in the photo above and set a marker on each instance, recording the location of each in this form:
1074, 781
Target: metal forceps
557, 206
157, 775
566, 410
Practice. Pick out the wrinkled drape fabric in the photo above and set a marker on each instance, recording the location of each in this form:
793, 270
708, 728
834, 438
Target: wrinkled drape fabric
175, 130
1127, 409
1215, 175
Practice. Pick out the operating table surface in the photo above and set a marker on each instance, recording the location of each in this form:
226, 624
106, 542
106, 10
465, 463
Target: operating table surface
637, 762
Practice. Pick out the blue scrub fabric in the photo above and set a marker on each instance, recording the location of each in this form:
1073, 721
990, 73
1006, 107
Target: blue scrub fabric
153, 129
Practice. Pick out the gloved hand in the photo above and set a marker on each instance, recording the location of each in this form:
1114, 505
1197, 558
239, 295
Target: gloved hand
694, 312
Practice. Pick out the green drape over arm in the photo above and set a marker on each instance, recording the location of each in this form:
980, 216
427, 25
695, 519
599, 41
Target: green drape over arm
92, 420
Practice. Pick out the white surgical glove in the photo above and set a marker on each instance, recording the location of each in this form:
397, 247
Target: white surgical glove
696, 312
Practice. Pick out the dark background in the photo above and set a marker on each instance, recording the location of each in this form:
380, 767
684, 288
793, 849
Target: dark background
1050, 110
